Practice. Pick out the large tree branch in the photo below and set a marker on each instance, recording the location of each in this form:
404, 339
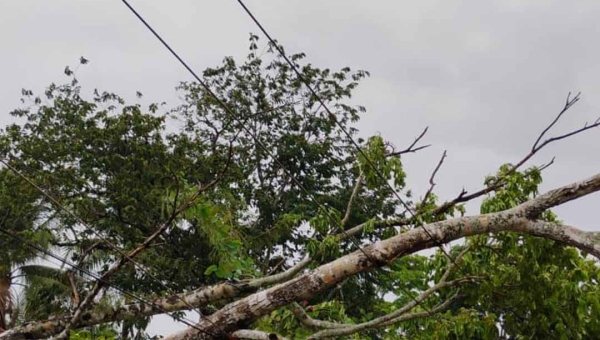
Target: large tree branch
305, 286
177, 302
519, 219
412, 147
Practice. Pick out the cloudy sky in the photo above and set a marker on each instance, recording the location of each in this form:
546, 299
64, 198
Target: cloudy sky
485, 76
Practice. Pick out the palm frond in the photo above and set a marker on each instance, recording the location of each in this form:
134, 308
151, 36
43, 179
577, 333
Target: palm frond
41, 273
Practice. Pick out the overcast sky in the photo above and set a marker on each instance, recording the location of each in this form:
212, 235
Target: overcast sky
485, 76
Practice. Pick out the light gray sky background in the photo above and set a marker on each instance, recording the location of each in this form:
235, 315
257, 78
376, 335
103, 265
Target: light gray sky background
485, 76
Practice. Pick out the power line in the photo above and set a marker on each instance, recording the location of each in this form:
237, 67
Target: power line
221, 103
230, 112
358, 148
332, 116
98, 278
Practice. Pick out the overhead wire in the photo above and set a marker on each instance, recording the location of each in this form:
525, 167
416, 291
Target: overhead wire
223, 105
228, 110
334, 118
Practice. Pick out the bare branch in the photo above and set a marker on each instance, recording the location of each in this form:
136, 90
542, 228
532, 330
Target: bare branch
177, 302
351, 200
537, 146
412, 148
568, 104
546, 165
250, 334
431, 179
572, 133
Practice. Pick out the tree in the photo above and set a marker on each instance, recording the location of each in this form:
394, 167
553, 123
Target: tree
22, 215
269, 222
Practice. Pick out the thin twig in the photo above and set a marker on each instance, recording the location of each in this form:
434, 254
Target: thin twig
412, 148
568, 104
351, 200
547, 165
432, 178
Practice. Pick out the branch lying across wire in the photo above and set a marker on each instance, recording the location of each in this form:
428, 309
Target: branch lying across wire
177, 302
521, 219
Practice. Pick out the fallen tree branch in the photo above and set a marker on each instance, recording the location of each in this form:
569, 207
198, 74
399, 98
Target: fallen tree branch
432, 178
177, 302
518, 219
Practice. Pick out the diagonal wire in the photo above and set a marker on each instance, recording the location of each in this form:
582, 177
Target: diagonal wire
221, 103
230, 112
332, 116
98, 278
358, 148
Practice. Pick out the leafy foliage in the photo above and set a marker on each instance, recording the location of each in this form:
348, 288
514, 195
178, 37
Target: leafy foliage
281, 172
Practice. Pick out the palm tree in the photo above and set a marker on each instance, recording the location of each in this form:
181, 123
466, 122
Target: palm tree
20, 212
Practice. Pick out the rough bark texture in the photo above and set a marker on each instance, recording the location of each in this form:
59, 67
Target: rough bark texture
243, 311
177, 302
517, 219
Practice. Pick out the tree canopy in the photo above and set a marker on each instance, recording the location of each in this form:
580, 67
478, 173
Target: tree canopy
267, 220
